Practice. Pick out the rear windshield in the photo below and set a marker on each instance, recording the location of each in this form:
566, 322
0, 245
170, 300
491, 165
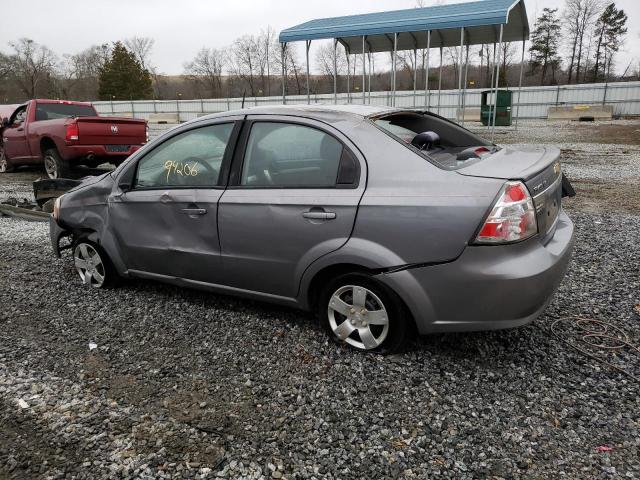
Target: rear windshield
455, 146
50, 111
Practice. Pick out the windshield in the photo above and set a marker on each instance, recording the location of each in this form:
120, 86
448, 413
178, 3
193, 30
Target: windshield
50, 111
442, 142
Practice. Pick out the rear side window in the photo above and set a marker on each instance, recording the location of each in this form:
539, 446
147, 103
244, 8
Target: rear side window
51, 111
190, 159
290, 155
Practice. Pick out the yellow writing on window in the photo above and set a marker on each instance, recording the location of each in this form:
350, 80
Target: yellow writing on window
180, 168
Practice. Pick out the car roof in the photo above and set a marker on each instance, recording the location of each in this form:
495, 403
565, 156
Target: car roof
318, 111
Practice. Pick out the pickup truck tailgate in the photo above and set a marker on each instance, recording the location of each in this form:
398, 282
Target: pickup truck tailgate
111, 131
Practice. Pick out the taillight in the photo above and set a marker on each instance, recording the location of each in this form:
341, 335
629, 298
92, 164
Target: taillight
513, 217
146, 126
72, 133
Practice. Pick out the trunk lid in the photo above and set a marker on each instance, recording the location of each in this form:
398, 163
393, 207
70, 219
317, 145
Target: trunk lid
538, 168
111, 131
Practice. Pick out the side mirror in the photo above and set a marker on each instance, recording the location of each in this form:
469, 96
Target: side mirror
5, 122
426, 140
125, 186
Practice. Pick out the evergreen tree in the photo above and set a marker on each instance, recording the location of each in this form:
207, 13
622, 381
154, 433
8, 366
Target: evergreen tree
544, 43
609, 32
123, 78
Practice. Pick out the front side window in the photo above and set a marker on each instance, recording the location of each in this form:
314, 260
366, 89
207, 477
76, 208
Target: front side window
190, 159
290, 155
19, 116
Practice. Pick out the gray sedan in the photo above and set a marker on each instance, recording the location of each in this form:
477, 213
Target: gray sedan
387, 223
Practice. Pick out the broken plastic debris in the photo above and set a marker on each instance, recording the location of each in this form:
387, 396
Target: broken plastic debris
92, 346
603, 448
22, 403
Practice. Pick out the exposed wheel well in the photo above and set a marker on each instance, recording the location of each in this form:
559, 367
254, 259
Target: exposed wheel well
326, 274
45, 144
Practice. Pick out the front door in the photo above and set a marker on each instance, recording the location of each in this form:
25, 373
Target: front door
166, 222
294, 192
14, 136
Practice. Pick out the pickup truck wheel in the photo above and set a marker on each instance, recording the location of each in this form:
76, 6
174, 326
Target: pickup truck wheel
54, 165
5, 166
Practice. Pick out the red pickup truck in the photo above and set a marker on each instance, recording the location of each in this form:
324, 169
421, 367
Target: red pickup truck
62, 134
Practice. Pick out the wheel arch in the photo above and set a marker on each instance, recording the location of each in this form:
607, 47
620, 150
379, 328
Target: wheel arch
47, 143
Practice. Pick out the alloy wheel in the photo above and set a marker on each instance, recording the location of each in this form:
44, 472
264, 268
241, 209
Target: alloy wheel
89, 265
51, 166
358, 317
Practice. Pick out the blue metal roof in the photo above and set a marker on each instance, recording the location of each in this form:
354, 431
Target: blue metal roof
478, 18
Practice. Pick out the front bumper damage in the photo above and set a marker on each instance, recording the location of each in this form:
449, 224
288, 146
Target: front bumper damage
57, 233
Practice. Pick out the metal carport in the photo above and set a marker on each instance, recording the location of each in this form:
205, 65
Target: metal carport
455, 25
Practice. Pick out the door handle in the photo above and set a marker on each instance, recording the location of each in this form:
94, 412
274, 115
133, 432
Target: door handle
194, 211
20, 129
317, 215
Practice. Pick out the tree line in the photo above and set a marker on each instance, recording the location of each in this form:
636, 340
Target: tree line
576, 44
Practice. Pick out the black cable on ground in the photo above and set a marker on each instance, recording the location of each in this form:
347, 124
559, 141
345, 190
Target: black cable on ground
596, 334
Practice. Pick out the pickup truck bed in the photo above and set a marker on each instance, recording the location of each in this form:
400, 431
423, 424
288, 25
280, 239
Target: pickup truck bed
61, 134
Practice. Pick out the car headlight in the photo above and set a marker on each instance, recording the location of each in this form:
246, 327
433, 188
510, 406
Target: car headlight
56, 207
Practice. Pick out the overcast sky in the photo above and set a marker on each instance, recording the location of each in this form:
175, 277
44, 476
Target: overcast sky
180, 28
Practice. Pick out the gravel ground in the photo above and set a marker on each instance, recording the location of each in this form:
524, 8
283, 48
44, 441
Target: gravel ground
153, 381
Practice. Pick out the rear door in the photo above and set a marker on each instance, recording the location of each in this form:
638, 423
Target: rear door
166, 223
294, 191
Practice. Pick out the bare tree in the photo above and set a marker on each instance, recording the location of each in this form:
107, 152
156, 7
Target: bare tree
325, 56
206, 68
31, 65
244, 61
141, 47
579, 17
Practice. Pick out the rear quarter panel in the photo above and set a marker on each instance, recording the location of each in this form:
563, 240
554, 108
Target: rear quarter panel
412, 211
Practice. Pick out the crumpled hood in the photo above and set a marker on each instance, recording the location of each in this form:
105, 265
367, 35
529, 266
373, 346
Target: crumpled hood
87, 181
523, 162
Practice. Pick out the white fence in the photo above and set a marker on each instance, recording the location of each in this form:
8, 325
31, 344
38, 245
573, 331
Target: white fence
533, 102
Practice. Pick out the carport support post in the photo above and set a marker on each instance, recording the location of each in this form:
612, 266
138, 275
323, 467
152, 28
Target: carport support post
395, 50
440, 81
464, 84
370, 70
520, 83
308, 43
495, 107
364, 72
426, 73
415, 74
460, 74
335, 71
493, 69
346, 51
283, 46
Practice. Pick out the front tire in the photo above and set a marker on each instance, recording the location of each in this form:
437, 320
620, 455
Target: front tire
360, 311
93, 264
5, 165
55, 165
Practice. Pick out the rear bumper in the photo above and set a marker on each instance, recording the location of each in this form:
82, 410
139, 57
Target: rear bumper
77, 152
487, 287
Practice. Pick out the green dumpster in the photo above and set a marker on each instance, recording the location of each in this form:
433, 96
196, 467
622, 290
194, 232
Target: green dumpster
503, 108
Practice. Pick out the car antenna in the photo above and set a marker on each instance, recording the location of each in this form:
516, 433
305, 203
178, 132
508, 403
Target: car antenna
244, 92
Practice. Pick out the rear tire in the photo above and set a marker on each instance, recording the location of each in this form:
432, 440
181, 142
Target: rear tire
362, 312
5, 165
55, 165
93, 264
